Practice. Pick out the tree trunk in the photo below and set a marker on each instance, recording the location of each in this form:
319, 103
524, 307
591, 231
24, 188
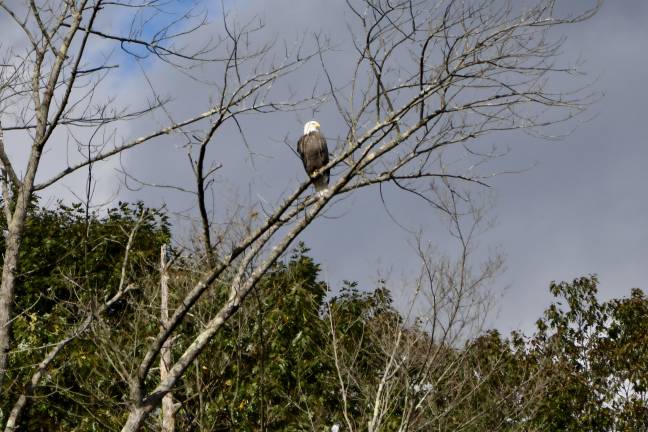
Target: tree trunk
168, 407
9, 270
135, 419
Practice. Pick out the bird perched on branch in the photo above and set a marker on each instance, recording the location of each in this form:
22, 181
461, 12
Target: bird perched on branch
314, 154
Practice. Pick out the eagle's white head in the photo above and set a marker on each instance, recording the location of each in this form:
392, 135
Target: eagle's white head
311, 126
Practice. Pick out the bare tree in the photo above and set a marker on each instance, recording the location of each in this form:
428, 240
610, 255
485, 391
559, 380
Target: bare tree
51, 87
51, 84
169, 408
429, 79
422, 370
482, 68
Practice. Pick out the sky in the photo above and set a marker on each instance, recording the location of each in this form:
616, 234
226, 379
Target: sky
577, 208
581, 209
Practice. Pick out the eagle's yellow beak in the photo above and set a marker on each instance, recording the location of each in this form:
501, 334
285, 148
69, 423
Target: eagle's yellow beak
311, 126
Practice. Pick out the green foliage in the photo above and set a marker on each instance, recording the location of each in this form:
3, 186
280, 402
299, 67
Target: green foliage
267, 368
596, 354
70, 263
279, 362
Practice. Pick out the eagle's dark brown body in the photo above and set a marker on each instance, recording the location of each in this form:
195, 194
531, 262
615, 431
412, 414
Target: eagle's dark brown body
314, 154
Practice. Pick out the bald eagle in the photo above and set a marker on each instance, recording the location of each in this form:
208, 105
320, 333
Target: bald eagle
314, 154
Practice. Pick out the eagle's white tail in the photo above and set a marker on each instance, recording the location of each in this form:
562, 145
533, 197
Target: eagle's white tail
321, 184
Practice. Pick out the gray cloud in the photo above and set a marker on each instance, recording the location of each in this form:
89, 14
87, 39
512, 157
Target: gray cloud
580, 210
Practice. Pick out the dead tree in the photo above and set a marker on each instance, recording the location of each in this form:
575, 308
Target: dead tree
426, 374
49, 86
169, 408
429, 78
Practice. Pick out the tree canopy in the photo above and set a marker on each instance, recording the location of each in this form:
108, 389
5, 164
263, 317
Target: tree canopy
302, 355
